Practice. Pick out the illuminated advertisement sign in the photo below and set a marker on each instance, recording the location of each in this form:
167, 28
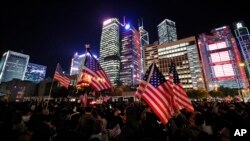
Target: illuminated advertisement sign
216, 46
225, 70
220, 56
107, 21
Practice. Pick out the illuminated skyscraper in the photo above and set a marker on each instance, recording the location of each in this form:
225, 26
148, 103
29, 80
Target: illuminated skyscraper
185, 55
35, 72
221, 60
167, 31
76, 63
130, 73
13, 65
110, 49
144, 40
243, 37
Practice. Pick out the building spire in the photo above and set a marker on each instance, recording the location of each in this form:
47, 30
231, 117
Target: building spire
87, 47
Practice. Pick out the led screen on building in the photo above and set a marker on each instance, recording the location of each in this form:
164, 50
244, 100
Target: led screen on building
216, 46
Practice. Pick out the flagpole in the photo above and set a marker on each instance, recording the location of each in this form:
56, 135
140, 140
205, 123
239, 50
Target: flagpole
51, 88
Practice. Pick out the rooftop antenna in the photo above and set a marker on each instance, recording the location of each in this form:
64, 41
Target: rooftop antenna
124, 20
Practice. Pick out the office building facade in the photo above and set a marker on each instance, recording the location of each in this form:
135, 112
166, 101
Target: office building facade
76, 63
144, 41
13, 65
243, 38
167, 31
130, 73
110, 49
185, 55
151, 54
35, 72
221, 60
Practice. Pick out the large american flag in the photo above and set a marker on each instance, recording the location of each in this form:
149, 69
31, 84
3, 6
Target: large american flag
179, 96
96, 76
59, 76
152, 90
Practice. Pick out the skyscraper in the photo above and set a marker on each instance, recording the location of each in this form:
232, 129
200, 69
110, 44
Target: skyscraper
243, 37
185, 55
13, 65
144, 40
110, 49
76, 63
221, 60
35, 72
167, 31
130, 73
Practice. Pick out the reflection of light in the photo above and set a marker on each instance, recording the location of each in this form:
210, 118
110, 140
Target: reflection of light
73, 68
93, 102
127, 26
81, 55
107, 21
239, 25
242, 64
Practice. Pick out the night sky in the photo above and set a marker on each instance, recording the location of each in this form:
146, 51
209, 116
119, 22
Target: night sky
52, 31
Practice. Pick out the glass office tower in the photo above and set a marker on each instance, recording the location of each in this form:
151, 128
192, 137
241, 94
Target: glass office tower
13, 65
167, 31
243, 38
130, 56
110, 49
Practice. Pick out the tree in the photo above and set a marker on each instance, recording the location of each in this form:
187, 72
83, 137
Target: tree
228, 91
197, 94
215, 93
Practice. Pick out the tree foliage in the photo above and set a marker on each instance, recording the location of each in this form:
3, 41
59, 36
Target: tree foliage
197, 94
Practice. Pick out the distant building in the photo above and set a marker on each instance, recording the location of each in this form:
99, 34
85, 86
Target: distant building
221, 60
151, 54
17, 89
130, 73
35, 72
13, 65
76, 63
144, 40
110, 49
243, 38
184, 53
167, 31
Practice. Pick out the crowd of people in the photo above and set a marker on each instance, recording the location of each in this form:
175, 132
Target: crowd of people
120, 121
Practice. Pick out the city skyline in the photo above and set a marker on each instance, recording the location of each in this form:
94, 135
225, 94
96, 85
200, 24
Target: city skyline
51, 32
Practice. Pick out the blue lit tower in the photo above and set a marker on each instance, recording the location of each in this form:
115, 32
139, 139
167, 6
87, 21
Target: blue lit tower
35, 72
167, 31
130, 73
144, 39
110, 49
13, 65
243, 37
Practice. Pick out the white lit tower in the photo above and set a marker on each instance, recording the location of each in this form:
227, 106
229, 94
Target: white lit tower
167, 31
13, 66
144, 40
110, 48
243, 37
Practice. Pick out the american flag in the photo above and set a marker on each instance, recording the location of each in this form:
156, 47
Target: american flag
97, 78
179, 98
59, 76
152, 90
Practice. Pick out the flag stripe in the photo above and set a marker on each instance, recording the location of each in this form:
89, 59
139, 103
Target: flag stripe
59, 76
